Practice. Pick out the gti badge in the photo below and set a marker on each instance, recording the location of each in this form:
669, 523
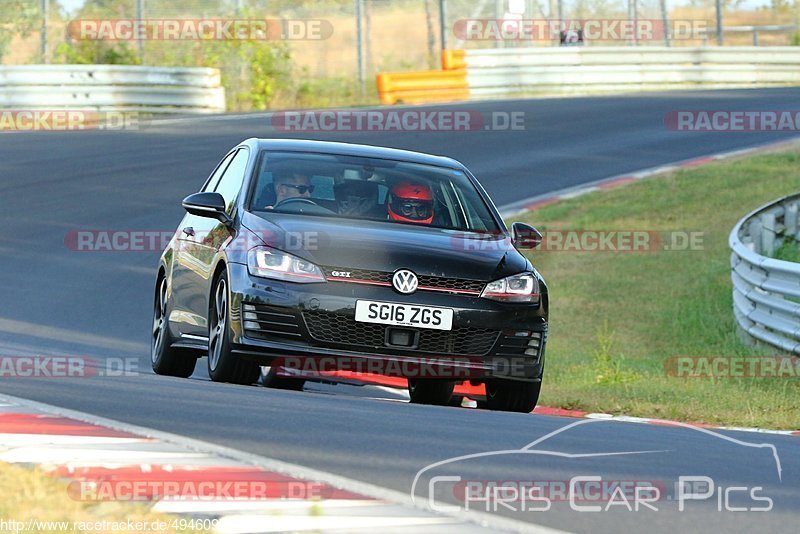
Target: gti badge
405, 281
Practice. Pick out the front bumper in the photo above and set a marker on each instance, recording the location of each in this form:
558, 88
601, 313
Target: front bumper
275, 322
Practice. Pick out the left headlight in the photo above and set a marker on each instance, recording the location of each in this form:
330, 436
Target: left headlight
518, 288
271, 263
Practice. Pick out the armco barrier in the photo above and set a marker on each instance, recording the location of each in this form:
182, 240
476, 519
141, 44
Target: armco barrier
766, 291
422, 87
112, 88
590, 69
507, 71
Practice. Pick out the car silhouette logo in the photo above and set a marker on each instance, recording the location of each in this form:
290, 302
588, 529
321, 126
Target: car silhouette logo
405, 281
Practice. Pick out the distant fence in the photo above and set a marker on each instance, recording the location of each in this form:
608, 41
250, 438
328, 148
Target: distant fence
112, 88
753, 30
517, 71
766, 291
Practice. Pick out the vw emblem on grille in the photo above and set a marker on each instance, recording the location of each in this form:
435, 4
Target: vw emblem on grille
405, 281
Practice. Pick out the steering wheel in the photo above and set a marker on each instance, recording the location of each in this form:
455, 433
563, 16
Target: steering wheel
302, 205
298, 200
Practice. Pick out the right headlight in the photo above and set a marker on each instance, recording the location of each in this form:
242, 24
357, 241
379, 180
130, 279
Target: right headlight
518, 288
272, 263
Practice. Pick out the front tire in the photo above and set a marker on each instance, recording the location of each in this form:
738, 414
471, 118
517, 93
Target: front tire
165, 359
437, 392
223, 365
512, 396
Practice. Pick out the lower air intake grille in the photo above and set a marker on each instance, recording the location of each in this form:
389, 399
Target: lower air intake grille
522, 343
339, 329
263, 322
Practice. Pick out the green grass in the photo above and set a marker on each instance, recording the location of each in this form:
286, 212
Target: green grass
30, 495
616, 317
789, 251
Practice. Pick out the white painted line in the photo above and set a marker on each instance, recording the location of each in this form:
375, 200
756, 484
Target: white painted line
177, 506
401, 393
758, 430
33, 440
667, 422
86, 457
245, 524
578, 193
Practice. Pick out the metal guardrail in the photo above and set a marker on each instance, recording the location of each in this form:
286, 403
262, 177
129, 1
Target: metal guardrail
766, 291
506, 71
112, 88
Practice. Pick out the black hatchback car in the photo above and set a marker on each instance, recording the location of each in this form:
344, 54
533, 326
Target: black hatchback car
297, 251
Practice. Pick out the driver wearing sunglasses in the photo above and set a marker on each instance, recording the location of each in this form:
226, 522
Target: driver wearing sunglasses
292, 185
412, 203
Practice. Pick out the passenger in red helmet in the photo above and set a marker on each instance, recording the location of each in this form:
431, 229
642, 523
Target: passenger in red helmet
409, 202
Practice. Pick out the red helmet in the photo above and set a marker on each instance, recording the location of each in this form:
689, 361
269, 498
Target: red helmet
411, 203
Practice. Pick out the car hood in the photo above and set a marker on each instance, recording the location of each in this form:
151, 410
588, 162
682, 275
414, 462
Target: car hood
384, 246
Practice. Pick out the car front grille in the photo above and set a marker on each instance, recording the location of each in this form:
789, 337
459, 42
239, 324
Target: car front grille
384, 278
263, 322
337, 329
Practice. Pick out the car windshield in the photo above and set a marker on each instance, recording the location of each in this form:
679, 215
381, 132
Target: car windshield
367, 188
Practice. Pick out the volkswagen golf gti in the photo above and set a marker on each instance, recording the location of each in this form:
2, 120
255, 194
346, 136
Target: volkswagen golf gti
297, 250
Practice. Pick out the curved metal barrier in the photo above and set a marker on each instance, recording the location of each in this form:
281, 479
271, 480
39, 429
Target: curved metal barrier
766, 291
112, 88
507, 72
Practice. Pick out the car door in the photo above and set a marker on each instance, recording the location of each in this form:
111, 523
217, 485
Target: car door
182, 320
197, 256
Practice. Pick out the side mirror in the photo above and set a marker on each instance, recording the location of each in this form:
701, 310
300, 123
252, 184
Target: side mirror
524, 236
210, 205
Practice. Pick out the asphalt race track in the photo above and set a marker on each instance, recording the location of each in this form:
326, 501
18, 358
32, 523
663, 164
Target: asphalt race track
58, 301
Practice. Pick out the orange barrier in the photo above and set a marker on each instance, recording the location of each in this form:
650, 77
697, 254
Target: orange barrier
453, 59
421, 87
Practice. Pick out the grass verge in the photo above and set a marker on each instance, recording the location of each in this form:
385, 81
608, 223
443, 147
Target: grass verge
618, 317
37, 503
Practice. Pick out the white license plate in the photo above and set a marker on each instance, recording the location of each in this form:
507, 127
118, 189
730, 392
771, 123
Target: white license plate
368, 311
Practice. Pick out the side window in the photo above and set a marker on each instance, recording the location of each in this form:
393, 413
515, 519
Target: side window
212, 182
231, 181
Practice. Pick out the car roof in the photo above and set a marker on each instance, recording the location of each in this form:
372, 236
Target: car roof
351, 149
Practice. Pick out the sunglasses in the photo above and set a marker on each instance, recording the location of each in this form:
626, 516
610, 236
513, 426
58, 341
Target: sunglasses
302, 189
